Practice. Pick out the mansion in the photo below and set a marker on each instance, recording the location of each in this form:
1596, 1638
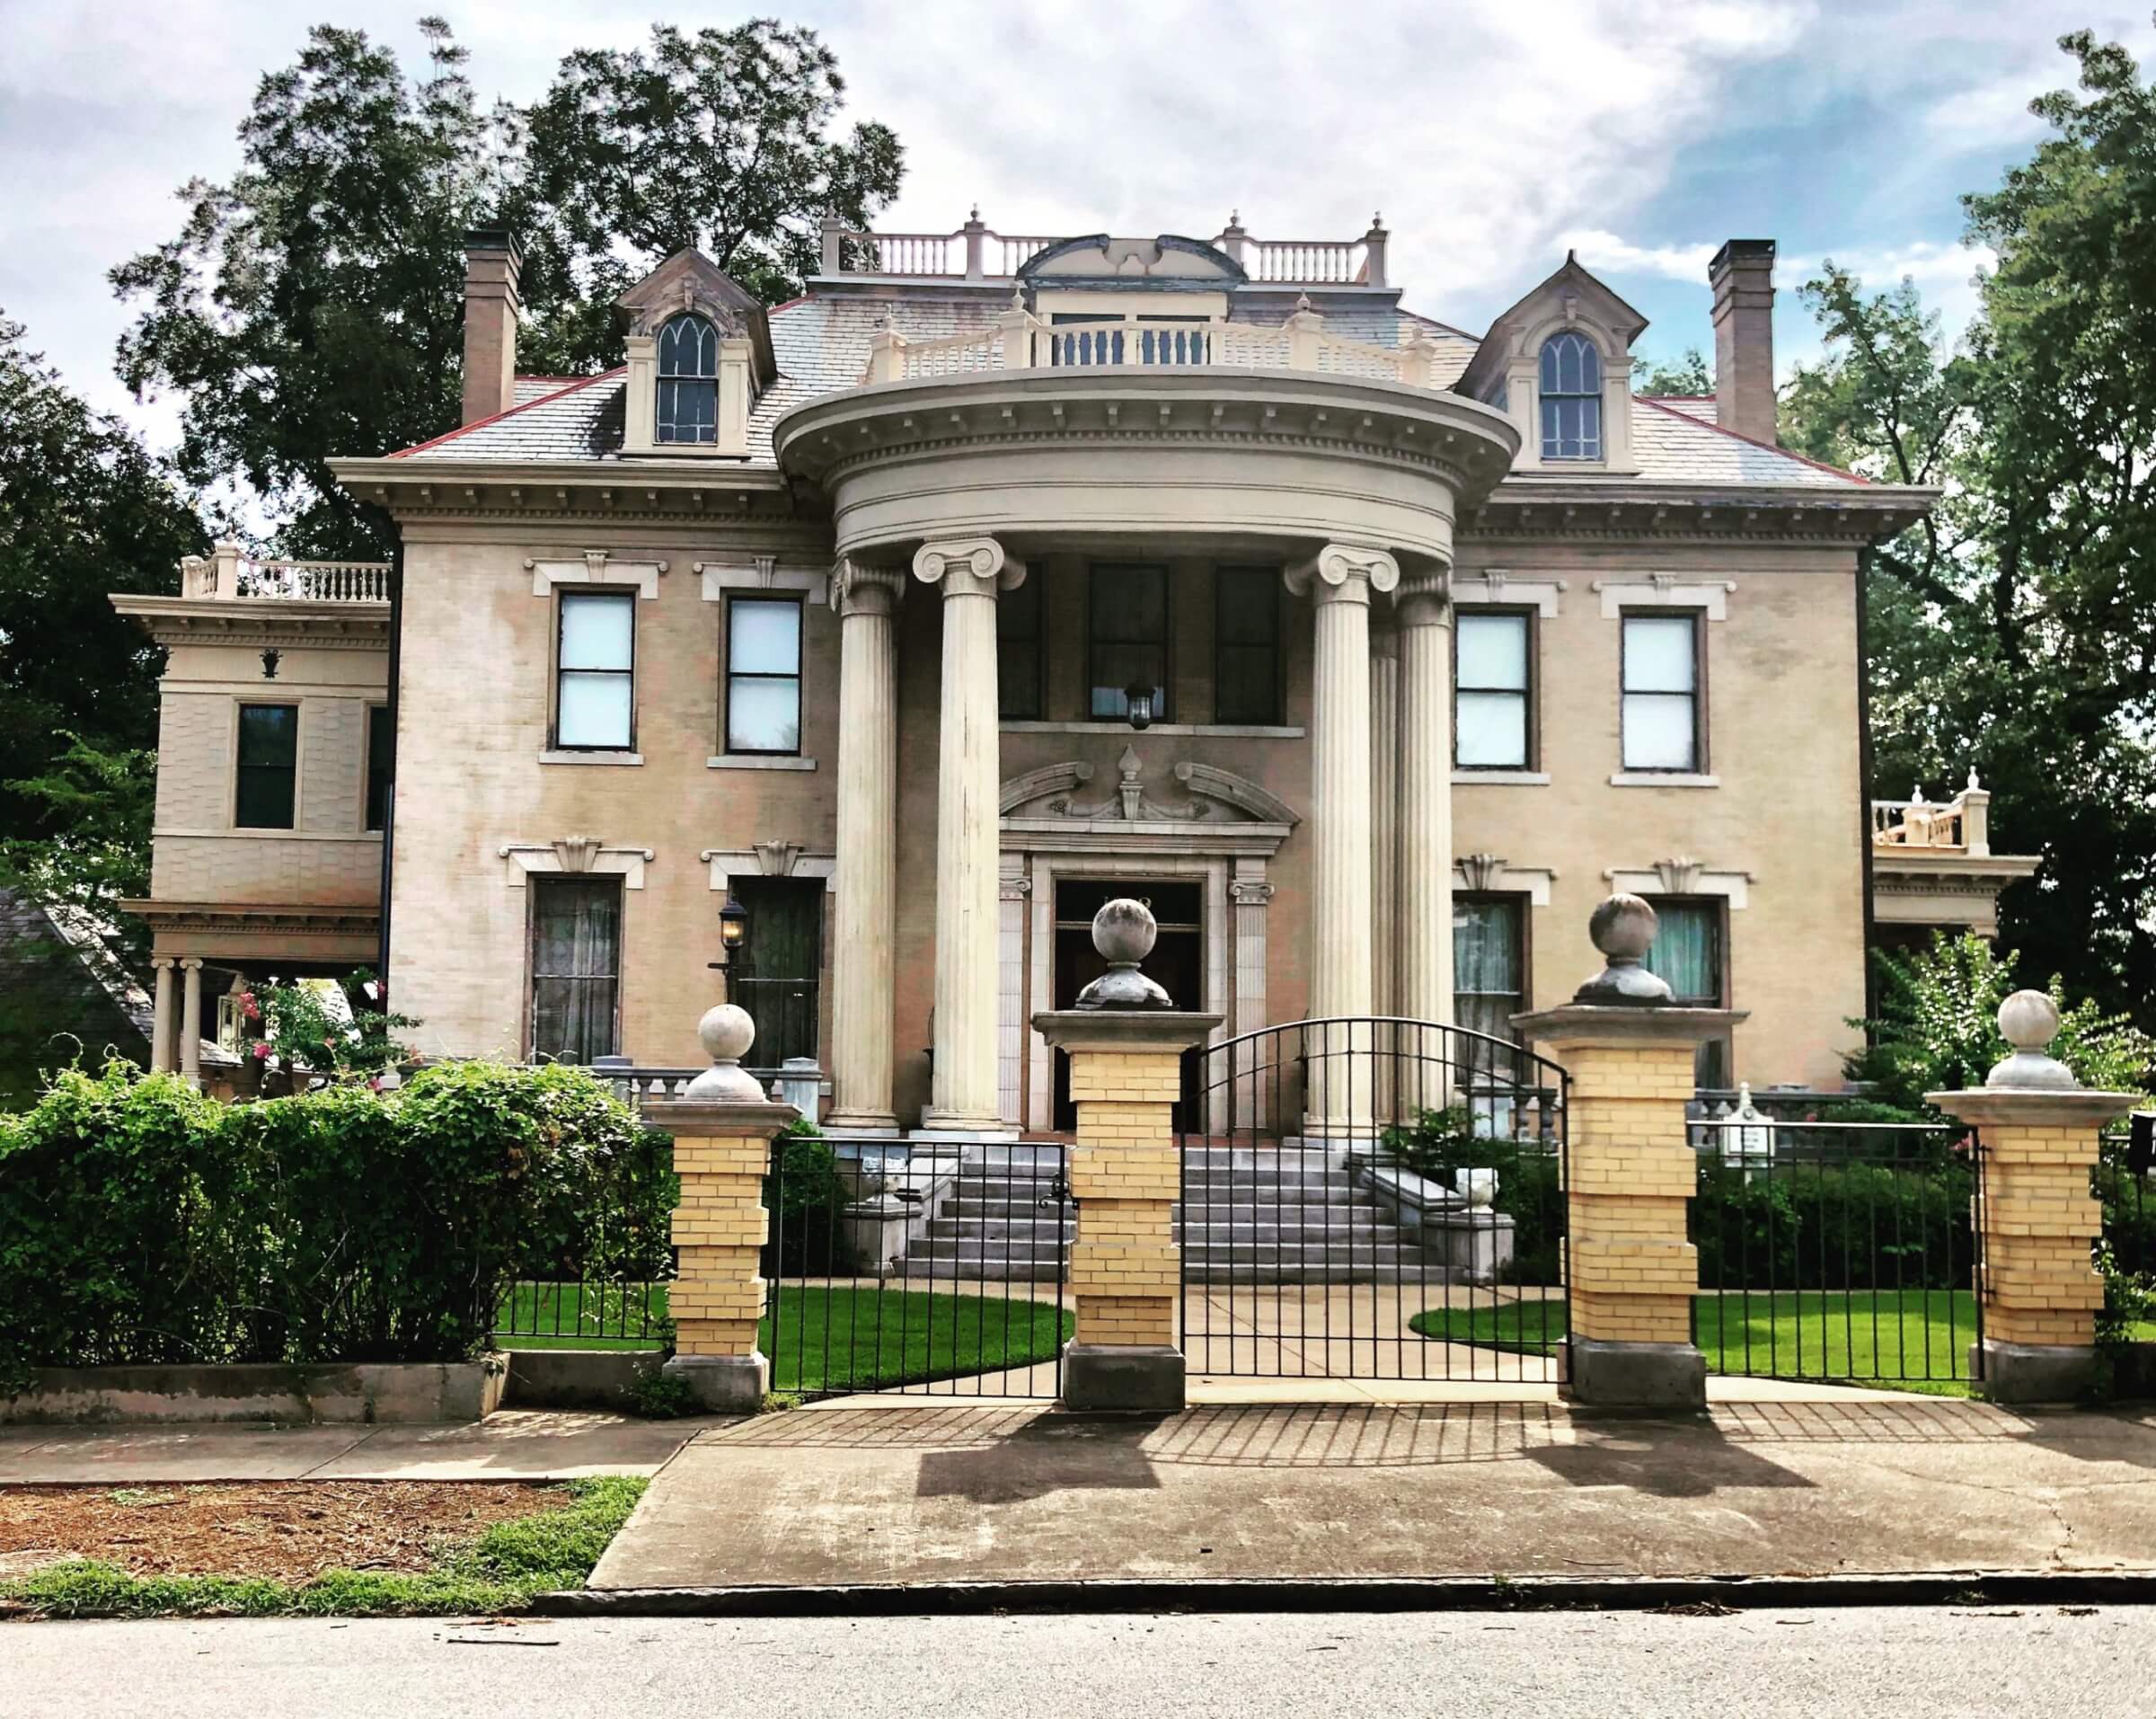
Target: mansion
995, 576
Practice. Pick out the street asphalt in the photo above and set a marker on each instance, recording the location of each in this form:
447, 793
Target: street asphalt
1878, 1664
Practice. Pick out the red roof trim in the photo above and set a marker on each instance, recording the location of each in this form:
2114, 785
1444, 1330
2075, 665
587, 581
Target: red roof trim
1701, 423
481, 423
789, 305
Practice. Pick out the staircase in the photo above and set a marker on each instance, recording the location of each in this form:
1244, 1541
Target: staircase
1252, 1215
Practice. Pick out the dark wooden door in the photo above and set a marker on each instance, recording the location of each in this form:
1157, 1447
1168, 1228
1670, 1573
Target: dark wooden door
1177, 962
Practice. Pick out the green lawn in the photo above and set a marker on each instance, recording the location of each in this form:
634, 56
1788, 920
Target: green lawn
1822, 1334
822, 1339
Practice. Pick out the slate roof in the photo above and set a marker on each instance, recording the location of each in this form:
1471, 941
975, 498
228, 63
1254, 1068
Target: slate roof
822, 345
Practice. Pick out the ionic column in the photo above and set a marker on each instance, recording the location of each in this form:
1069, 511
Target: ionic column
970, 572
1424, 928
1384, 848
190, 1019
866, 910
161, 1017
1341, 580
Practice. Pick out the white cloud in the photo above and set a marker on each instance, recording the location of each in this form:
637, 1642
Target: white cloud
1607, 253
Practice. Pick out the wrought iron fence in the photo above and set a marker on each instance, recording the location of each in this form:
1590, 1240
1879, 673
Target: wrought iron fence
2126, 1165
597, 1256
1373, 1198
1838, 1251
927, 1267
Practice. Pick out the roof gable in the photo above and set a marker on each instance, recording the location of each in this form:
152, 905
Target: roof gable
1570, 294
688, 280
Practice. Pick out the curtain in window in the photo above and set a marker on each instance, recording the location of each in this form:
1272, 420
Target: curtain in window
1687, 951
576, 967
1487, 971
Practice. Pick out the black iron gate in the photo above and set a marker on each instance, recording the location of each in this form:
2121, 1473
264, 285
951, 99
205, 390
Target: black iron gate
932, 1268
1373, 1198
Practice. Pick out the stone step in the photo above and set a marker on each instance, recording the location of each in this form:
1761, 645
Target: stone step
1363, 1230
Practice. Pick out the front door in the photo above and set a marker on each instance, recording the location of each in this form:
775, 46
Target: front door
1177, 962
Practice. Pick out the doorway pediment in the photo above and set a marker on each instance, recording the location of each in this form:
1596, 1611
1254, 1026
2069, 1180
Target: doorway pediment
1206, 809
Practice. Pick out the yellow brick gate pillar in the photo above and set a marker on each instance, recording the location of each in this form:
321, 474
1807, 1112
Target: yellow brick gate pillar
1629, 1170
722, 1128
1126, 1043
2036, 1217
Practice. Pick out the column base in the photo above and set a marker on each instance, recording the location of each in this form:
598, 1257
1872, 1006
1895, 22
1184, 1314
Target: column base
844, 1124
947, 1125
1671, 1376
2034, 1372
724, 1383
1123, 1376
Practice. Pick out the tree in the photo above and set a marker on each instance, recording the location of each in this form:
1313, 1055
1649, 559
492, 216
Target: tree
1688, 378
2015, 631
312, 306
84, 510
719, 141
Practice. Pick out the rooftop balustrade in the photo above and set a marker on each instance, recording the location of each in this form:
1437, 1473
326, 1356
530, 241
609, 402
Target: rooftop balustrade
225, 574
974, 253
1961, 826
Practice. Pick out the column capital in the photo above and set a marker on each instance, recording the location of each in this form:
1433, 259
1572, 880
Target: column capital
858, 588
1425, 600
969, 567
1344, 572
190, 964
162, 963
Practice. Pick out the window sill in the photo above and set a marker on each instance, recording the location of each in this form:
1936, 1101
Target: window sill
1109, 725
758, 761
1500, 778
1662, 779
630, 759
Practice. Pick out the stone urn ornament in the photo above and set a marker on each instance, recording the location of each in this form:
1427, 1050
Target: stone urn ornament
1623, 929
726, 1032
1124, 934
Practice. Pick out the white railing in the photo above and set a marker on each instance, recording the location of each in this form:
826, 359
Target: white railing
226, 575
1020, 340
1961, 826
969, 253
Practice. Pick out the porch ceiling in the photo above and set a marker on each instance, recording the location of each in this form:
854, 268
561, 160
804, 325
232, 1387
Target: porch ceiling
1197, 460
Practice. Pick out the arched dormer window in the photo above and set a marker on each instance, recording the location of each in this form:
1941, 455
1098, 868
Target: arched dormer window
688, 381
1571, 397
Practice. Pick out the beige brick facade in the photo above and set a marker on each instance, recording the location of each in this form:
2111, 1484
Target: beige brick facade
1126, 1270
720, 1226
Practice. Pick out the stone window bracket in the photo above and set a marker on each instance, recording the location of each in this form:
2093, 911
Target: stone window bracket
760, 573
771, 858
575, 856
1683, 875
597, 567
1490, 874
1498, 588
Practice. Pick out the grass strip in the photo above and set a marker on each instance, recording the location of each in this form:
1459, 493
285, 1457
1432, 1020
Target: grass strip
502, 1569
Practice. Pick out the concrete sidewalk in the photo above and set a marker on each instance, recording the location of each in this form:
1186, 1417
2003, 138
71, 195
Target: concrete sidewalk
881, 1496
516, 1444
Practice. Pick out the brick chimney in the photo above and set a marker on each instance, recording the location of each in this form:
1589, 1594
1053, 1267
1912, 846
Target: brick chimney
491, 304
1742, 275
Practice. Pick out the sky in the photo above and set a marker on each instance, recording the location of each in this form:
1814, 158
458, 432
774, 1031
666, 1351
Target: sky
1492, 135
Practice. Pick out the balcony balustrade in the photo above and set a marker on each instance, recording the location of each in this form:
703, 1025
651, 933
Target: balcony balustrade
225, 574
1961, 826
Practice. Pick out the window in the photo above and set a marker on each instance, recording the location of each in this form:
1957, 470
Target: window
593, 705
688, 381
780, 985
763, 675
1246, 645
1018, 689
1571, 390
1129, 639
1661, 693
1488, 969
269, 769
576, 967
1492, 705
379, 759
1687, 951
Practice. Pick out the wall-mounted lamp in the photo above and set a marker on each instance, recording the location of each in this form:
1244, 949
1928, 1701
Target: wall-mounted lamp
1139, 701
270, 659
733, 940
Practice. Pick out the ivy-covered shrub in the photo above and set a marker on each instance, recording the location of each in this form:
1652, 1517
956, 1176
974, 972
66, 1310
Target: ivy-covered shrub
140, 1222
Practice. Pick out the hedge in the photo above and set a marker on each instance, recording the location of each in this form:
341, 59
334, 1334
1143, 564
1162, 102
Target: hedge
141, 1222
1814, 1226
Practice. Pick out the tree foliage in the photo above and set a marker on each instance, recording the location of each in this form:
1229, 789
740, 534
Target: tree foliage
84, 510
2014, 632
1688, 377
312, 306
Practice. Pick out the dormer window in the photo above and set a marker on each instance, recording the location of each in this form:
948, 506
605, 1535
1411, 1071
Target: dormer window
688, 381
1571, 398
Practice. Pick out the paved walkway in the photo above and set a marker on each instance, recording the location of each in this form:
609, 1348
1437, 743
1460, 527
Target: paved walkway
882, 1495
516, 1444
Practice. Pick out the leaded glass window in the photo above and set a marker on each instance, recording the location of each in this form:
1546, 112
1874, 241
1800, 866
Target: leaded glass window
688, 381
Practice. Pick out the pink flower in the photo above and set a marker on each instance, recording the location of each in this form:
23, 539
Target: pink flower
261, 1051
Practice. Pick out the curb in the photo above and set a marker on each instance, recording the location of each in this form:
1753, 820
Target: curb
1364, 1594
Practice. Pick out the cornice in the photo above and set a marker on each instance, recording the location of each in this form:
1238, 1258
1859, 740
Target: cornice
258, 621
1537, 509
644, 490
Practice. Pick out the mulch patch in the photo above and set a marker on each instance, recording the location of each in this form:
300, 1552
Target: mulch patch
289, 1530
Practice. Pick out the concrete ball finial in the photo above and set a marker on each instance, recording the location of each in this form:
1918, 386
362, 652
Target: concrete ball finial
2029, 1022
1624, 930
1124, 934
727, 1033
